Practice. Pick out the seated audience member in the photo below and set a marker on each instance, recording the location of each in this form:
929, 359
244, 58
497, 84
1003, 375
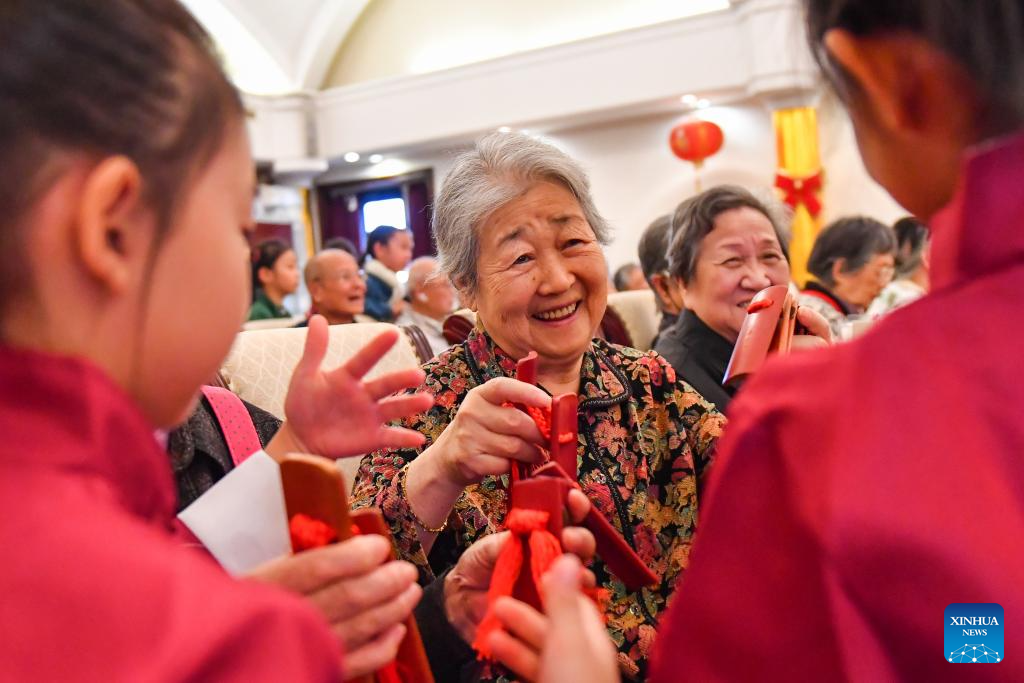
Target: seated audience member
726, 247
628, 278
275, 275
833, 512
519, 235
431, 300
345, 244
653, 252
852, 261
388, 251
911, 279
199, 452
335, 286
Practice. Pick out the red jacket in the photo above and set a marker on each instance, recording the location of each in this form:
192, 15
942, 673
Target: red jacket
93, 584
861, 490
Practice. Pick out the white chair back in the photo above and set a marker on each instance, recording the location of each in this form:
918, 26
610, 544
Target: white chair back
260, 364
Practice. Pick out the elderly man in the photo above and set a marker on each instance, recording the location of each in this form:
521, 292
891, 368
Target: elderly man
431, 299
629, 278
335, 286
653, 253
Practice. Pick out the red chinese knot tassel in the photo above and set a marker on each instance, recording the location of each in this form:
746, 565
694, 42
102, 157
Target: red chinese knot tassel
529, 525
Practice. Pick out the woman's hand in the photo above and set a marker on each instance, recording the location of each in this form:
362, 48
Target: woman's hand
486, 437
819, 333
336, 414
466, 585
568, 643
364, 596
483, 439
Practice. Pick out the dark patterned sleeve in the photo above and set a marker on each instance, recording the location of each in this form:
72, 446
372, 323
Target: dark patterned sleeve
379, 483
380, 478
699, 422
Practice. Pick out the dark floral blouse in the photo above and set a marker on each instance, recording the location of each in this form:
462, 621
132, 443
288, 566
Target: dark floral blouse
645, 441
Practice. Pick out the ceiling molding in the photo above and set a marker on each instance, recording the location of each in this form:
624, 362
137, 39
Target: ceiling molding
754, 49
326, 33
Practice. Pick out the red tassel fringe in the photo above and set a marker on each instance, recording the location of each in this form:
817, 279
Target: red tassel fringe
529, 525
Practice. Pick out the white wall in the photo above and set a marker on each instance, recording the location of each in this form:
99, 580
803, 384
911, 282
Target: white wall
635, 177
401, 37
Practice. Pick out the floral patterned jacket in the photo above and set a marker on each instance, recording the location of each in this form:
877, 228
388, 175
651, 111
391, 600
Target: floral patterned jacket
645, 441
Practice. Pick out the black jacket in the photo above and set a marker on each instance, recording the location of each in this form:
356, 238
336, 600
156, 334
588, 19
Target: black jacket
700, 356
199, 453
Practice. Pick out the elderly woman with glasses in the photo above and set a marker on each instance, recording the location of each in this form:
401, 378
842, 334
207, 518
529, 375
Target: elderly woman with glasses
519, 236
853, 260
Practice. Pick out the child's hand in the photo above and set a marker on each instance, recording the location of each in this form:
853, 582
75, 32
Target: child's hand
335, 414
363, 595
466, 585
569, 643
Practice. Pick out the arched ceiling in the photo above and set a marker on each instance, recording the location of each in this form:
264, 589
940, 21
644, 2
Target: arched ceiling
272, 47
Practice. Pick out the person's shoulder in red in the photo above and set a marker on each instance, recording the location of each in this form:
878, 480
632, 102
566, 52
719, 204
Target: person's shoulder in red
847, 507
93, 594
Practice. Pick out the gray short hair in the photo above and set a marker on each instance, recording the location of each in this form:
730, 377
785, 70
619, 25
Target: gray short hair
422, 271
501, 167
695, 218
854, 240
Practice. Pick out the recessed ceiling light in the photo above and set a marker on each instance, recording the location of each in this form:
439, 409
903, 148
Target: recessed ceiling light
504, 129
689, 100
351, 157
376, 158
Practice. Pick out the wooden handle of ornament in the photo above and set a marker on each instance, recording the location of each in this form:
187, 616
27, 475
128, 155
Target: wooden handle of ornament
411, 659
313, 486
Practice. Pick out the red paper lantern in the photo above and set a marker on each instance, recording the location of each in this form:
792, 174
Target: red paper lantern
696, 140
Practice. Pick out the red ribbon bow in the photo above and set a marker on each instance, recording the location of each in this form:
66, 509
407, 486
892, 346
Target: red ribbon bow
803, 190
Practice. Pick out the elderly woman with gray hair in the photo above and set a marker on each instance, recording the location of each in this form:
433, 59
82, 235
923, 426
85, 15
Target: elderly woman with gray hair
520, 238
853, 259
726, 246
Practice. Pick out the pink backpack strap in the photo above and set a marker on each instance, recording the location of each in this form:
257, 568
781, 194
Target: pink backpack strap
235, 423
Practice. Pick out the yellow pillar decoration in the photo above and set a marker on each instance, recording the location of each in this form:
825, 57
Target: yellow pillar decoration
799, 180
307, 222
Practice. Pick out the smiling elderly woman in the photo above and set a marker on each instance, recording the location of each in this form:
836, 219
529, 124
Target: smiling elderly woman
519, 236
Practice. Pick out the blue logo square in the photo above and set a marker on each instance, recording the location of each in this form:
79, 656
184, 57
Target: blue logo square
974, 633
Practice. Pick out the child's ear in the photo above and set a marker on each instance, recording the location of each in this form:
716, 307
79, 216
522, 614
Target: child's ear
110, 232
264, 275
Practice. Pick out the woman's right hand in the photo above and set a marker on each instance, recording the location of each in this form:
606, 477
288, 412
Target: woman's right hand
486, 436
